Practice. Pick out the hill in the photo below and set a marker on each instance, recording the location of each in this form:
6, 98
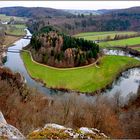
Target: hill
75, 21
33, 12
127, 11
85, 12
108, 20
54, 48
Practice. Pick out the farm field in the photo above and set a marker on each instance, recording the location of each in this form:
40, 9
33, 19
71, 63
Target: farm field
122, 42
6, 18
103, 35
65, 78
16, 29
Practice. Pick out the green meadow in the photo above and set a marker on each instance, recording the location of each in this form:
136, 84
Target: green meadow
102, 35
83, 79
122, 42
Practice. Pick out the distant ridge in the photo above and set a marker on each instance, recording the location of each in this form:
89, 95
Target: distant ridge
33, 12
38, 12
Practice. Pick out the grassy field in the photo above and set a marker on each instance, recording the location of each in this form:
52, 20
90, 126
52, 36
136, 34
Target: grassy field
137, 48
16, 29
5, 18
102, 35
122, 42
20, 26
9, 40
86, 79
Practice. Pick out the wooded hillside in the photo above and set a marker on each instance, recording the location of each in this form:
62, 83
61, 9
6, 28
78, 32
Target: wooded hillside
53, 48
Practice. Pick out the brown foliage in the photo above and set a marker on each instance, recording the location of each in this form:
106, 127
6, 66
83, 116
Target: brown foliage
76, 112
27, 109
21, 107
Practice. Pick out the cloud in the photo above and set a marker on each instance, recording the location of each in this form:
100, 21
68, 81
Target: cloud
93, 5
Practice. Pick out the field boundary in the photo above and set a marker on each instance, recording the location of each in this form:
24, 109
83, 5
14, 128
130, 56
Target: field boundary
61, 68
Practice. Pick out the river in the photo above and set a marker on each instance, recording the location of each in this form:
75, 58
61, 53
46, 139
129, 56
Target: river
15, 63
127, 83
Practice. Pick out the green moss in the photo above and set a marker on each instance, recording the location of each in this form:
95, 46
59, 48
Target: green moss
48, 134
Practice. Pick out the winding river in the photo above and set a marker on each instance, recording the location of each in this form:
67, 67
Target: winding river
15, 63
127, 83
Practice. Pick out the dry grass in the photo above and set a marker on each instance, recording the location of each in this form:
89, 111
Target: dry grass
9, 40
27, 110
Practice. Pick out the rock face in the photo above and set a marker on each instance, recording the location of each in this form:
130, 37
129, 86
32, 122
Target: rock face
55, 131
49, 131
8, 131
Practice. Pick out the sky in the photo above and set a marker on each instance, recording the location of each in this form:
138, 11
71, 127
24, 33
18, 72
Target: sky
90, 5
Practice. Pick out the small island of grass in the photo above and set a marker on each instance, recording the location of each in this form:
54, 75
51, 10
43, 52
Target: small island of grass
83, 79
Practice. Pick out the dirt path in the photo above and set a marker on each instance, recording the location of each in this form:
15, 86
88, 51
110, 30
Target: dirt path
95, 63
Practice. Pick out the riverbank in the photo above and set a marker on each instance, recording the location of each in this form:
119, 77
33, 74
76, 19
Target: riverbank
9, 41
88, 80
130, 50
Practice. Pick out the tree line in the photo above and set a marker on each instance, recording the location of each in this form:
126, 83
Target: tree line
58, 49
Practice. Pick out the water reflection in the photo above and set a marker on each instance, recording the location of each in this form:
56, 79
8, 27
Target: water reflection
127, 84
118, 52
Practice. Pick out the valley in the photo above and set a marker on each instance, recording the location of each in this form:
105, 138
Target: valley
72, 69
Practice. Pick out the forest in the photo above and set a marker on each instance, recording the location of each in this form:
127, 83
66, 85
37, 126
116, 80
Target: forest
104, 20
115, 20
51, 47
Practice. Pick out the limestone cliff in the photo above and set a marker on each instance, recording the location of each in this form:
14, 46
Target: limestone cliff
49, 131
8, 131
55, 131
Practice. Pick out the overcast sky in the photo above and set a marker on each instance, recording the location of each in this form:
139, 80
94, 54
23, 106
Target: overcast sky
93, 5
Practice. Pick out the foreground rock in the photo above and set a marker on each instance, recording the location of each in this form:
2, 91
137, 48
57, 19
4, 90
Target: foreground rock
54, 131
50, 131
8, 131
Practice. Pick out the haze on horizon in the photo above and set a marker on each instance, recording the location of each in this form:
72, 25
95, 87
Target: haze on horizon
79, 5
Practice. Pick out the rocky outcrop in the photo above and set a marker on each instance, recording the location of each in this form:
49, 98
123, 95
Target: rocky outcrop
8, 131
49, 131
55, 131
